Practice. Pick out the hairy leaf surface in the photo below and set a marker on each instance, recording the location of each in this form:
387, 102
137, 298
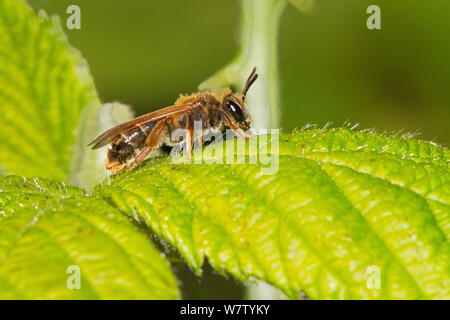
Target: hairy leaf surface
46, 227
343, 208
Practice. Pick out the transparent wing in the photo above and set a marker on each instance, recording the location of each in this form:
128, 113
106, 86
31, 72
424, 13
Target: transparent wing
110, 135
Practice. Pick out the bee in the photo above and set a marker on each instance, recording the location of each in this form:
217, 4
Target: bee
131, 142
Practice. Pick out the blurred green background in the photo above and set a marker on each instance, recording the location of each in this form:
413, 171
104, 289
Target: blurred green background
332, 68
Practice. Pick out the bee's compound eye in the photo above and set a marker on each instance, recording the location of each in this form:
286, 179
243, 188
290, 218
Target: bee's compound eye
235, 110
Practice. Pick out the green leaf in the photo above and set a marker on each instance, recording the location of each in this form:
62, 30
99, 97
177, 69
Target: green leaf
341, 204
45, 227
44, 85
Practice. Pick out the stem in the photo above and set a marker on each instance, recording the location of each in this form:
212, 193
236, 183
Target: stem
259, 32
259, 38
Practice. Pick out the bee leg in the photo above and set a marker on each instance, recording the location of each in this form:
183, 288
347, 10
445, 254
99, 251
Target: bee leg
154, 140
141, 156
189, 141
114, 166
116, 169
240, 133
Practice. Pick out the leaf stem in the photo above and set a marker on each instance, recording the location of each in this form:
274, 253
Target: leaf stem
258, 40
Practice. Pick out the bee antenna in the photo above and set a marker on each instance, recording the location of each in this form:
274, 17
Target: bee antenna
250, 80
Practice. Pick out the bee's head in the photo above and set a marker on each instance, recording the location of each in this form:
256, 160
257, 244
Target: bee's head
233, 106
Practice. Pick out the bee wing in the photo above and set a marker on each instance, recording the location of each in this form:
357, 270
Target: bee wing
110, 135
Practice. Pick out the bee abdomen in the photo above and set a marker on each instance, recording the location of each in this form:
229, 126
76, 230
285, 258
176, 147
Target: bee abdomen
124, 148
120, 151
128, 145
